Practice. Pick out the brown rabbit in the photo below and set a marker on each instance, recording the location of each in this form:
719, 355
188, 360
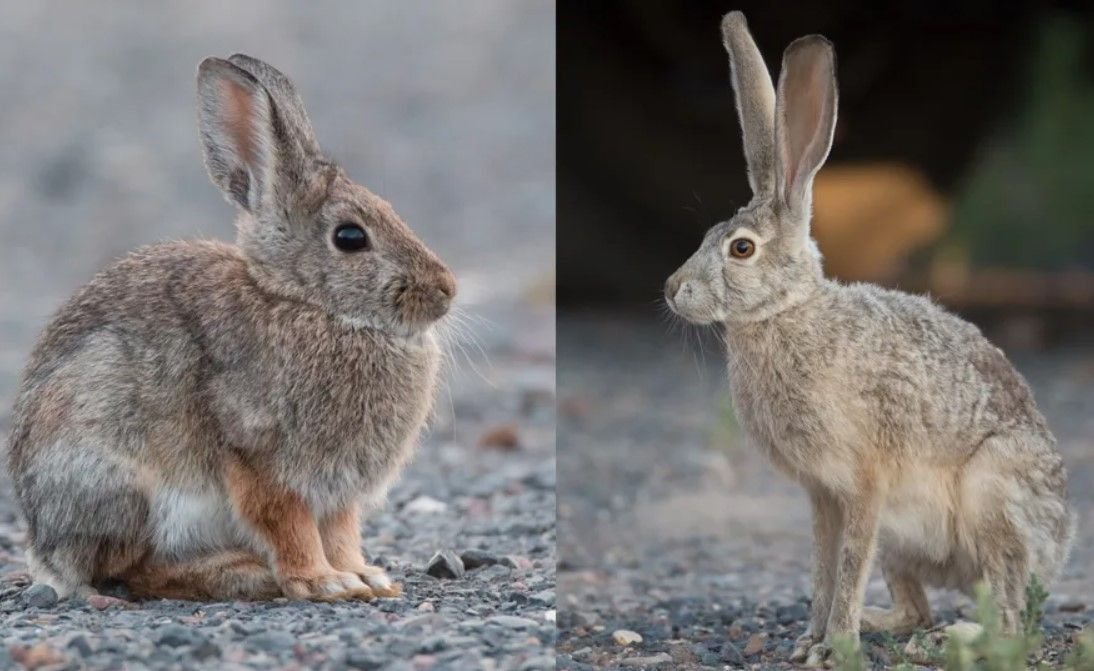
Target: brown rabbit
206, 420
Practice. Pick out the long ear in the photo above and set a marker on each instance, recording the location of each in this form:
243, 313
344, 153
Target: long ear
755, 102
289, 106
805, 118
258, 146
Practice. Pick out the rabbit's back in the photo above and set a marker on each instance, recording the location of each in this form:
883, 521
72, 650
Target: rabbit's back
175, 358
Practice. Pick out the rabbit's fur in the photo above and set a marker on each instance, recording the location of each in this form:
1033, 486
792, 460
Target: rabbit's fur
910, 432
205, 420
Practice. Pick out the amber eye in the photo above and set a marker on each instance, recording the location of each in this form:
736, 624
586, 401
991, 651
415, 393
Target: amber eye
742, 248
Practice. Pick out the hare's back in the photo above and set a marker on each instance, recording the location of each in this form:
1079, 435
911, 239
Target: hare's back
944, 366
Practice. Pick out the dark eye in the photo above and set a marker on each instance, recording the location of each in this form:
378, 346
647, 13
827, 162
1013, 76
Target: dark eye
742, 248
350, 238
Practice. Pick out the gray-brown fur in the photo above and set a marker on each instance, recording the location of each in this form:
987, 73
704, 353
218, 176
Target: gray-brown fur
915, 438
311, 367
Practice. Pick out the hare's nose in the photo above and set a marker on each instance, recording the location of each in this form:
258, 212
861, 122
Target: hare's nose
672, 287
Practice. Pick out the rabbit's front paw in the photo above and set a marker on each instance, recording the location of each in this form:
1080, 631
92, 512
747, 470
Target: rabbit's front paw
381, 585
326, 585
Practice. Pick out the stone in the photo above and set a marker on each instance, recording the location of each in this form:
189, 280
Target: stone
755, 644
731, 655
40, 596
177, 636
626, 637
425, 505
654, 660
796, 612
445, 564
512, 622
473, 559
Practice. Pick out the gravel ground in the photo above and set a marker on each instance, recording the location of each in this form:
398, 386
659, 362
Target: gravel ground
672, 527
494, 506
446, 109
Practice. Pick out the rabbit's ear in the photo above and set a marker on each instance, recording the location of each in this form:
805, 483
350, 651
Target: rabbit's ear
755, 102
287, 102
258, 144
805, 118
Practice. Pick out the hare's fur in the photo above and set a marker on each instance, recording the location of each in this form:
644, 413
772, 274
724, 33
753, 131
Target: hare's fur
205, 420
913, 436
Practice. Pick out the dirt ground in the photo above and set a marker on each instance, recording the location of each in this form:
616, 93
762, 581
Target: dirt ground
670, 525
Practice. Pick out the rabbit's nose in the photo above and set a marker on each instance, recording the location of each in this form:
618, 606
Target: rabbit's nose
446, 284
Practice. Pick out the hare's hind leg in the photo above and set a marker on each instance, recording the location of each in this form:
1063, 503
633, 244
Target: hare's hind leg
222, 577
910, 610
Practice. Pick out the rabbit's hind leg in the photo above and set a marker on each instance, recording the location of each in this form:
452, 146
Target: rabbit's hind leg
81, 529
226, 576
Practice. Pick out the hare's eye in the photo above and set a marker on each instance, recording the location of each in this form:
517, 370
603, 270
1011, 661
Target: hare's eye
742, 248
350, 238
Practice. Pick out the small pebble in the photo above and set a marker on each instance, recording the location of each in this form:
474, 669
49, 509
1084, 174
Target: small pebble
425, 505
473, 559
40, 596
446, 564
755, 644
626, 637
731, 655
655, 660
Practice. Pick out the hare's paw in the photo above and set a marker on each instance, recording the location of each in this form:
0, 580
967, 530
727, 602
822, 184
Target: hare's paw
327, 585
819, 656
801, 647
893, 621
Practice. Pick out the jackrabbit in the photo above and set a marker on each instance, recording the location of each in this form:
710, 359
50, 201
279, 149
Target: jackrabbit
205, 420
910, 432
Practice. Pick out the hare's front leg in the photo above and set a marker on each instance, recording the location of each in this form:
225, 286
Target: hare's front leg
284, 524
827, 522
341, 534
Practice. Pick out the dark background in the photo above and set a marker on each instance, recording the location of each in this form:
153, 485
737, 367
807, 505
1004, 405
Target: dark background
966, 125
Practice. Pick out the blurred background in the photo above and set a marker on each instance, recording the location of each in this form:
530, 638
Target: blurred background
961, 167
961, 162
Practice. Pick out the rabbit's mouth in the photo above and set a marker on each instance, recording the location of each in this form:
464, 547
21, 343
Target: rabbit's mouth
393, 328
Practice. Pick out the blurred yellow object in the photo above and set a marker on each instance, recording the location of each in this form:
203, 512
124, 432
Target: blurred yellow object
869, 218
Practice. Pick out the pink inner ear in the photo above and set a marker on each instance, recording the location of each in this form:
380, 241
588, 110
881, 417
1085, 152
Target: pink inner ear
806, 92
239, 118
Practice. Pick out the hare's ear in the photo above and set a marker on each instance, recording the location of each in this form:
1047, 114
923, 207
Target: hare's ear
805, 118
755, 102
258, 145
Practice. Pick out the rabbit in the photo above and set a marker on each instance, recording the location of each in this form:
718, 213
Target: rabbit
207, 421
914, 437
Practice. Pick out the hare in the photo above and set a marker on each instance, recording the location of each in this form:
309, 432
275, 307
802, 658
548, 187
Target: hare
913, 436
205, 420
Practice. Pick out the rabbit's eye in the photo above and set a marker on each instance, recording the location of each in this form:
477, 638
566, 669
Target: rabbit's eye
350, 238
742, 248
